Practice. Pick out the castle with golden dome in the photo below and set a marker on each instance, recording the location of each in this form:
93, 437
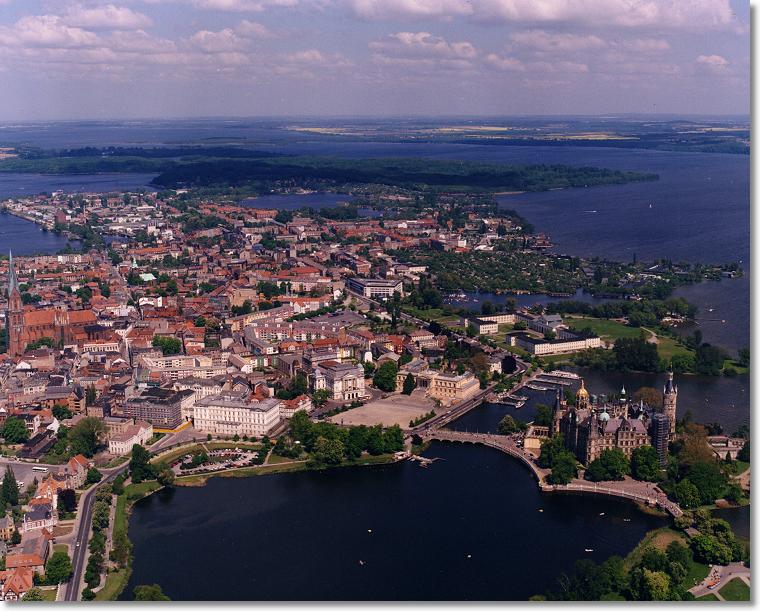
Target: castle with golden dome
594, 424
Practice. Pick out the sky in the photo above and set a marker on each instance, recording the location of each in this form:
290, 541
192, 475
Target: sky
91, 59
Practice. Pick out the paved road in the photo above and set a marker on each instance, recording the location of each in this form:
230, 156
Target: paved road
723, 574
82, 524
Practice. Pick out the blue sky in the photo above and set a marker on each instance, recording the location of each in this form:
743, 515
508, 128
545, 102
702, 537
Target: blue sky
62, 59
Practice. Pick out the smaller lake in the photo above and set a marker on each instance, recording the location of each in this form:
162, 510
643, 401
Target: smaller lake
296, 201
738, 518
26, 185
22, 237
473, 300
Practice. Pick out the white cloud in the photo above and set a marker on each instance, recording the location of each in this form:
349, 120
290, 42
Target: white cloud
423, 44
712, 65
691, 14
242, 6
216, 42
712, 60
509, 64
108, 17
545, 41
646, 45
46, 31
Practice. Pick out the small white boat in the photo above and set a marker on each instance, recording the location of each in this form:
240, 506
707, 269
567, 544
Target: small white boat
540, 511
361, 562
626, 519
711, 309
589, 550
601, 514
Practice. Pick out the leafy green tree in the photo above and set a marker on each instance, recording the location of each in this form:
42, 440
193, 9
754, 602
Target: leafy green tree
393, 439
543, 415
61, 412
88, 594
9, 489
409, 384
58, 568
165, 476
356, 441
33, 595
327, 451
385, 376
149, 593
122, 548
550, 449
611, 465
375, 441
645, 464
686, 494
564, 469
86, 436
709, 480
744, 453
14, 430
139, 464
168, 345
509, 425
93, 476
67, 500
676, 552
656, 585
710, 550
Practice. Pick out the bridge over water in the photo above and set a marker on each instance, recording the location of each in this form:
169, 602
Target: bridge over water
640, 492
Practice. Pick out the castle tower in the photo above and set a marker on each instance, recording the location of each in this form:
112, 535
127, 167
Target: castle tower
557, 412
14, 315
669, 398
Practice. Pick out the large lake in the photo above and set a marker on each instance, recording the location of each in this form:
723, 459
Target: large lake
466, 528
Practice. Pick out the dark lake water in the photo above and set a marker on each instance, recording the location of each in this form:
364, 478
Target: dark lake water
738, 518
473, 300
23, 185
23, 237
466, 528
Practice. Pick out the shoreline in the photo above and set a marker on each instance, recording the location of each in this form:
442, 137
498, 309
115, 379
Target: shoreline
137, 492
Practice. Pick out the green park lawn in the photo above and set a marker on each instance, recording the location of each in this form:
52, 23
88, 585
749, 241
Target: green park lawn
735, 590
697, 573
667, 348
48, 596
707, 597
606, 329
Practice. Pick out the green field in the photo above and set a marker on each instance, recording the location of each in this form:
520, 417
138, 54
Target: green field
667, 348
611, 330
48, 596
708, 597
735, 590
606, 329
697, 573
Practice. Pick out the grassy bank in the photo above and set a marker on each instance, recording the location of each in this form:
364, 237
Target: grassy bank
659, 539
116, 581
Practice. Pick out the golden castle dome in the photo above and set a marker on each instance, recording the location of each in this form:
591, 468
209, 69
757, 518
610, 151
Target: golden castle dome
582, 392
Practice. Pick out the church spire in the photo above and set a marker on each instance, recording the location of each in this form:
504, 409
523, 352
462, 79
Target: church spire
12, 278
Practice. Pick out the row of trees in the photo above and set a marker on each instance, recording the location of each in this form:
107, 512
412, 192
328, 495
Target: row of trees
329, 444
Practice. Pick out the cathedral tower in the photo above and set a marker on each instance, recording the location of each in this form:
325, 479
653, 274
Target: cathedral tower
669, 397
14, 315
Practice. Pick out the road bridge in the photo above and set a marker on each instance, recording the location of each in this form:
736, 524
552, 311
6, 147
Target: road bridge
630, 489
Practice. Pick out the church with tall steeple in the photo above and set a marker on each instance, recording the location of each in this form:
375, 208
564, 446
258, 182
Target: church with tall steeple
14, 314
26, 325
